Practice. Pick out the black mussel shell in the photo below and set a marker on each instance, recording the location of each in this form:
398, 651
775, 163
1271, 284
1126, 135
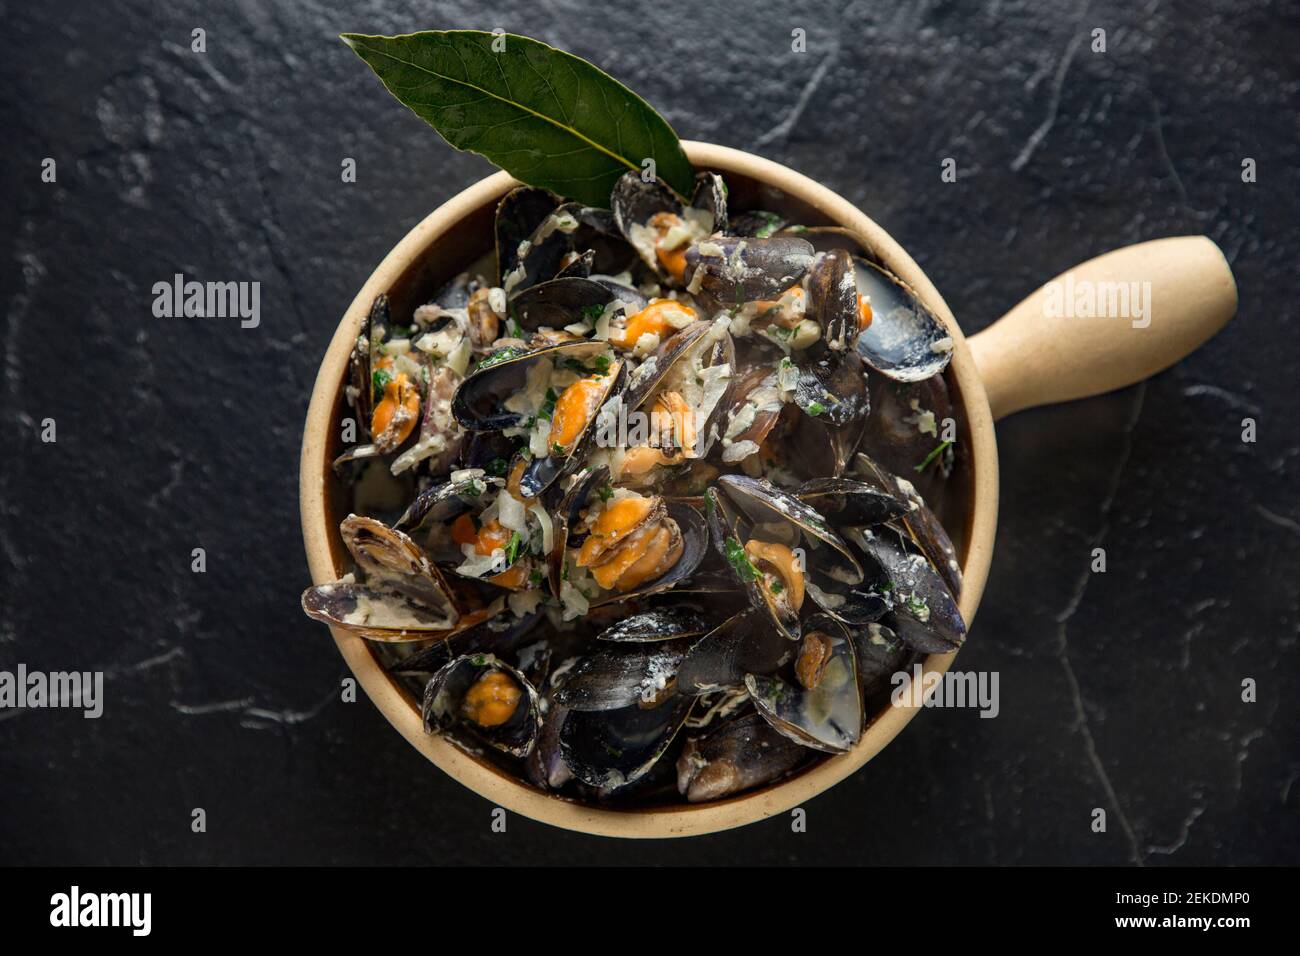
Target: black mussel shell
737, 755
695, 545
657, 624
479, 402
710, 196
905, 340
735, 270
441, 503
614, 748
634, 203
542, 255
561, 301
846, 501
833, 299
924, 614
745, 643
446, 689
519, 214
622, 675
829, 717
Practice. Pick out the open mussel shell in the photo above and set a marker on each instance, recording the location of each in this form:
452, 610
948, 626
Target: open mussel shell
924, 613
827, 717
710, 197
919, 521
542, 255
519, 214
729, 531
657, 624
846, 501
833, 389
763, 503
445, 696
753, 410
567, 518
673, 366
735, 270
695, 545
610, 749
440, 503
622, 675
738, 754
561, 301
905, 340
376, 613
479, 403
389, 560
634, 203
743, 644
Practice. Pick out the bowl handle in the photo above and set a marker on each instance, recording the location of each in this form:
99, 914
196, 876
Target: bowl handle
1105, 324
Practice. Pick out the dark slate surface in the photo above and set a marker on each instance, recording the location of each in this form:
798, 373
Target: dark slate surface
1119, 691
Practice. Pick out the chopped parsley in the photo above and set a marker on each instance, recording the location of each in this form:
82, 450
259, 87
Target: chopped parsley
592, 312
777, 587
512, 549
606, 492
771, 223
601, 362
380, 381
740, 561
939, 450
557, 449
548, 406
815, 408
497, 467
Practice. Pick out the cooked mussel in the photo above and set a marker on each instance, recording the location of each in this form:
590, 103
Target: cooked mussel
826, 716
777, 544
491, 698
739, 754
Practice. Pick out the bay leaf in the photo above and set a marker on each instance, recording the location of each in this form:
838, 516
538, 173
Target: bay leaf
547, 117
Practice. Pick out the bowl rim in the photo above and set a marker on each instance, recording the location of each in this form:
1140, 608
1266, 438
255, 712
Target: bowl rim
493, 784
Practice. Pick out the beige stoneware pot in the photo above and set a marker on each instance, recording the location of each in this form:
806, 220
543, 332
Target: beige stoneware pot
1025, 359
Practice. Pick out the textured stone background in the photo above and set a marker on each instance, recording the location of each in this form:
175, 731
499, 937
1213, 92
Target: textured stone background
1118, 690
